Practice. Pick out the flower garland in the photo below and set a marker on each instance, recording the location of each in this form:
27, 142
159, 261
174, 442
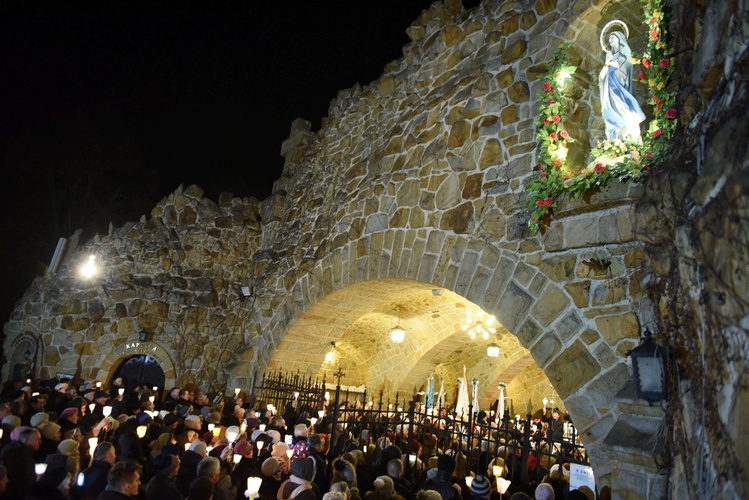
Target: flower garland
625, 161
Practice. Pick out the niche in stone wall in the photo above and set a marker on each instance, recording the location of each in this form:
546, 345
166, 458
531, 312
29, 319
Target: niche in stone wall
584, 121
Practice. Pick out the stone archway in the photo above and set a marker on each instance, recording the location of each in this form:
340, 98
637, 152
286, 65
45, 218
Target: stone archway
25, 347
134, 348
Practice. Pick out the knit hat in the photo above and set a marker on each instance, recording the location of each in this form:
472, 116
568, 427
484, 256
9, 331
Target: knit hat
68, 412
343, 470
15, 434
12, 420
213, 418
101, 394
165, 464
160, 441
201, 489
384, 486
39, 418
446, 463
271, 466
62, 386
480, 487
198, 447
192, 422
49, 430
279, 450
304, 468
243, 447
170, 418
544, 491
68, 447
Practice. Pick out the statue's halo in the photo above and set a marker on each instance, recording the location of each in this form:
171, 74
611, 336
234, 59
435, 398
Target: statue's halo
605, 30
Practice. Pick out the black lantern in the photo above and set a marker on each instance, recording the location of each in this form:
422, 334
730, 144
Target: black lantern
648, 367
143, 335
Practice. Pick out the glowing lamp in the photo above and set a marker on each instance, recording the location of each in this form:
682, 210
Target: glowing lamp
397, 335
492, 350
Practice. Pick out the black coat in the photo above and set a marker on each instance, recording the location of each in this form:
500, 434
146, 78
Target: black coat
94, 479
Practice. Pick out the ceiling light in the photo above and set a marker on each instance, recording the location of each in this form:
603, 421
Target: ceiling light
478, 325
492, 350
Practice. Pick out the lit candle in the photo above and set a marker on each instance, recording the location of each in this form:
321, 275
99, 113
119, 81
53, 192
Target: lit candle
121, 390
40, 469
237, 458
210, 427
98, 384
141, 431
236, 391
253, 486
107, 410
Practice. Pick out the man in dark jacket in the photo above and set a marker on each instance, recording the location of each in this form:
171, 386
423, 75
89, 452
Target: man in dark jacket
123, 482
441, 481
18, 459
95, 475
163, 485
322, 476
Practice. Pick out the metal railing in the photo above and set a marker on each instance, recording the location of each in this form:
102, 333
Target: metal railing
420, 431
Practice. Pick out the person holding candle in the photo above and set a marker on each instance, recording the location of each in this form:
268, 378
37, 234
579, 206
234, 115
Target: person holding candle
18, 458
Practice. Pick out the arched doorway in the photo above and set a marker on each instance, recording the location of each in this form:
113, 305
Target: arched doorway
140, 370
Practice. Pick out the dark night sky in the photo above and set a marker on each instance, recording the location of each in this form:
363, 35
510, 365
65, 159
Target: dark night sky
145, 96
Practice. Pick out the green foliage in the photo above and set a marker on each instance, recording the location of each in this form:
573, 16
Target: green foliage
624, 161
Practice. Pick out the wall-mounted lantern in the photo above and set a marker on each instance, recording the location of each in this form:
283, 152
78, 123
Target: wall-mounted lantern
648, 367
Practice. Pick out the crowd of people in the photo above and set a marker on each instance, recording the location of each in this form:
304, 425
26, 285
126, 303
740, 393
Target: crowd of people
60, 440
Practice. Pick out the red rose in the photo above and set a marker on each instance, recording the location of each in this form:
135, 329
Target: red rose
640, 76
657, 133
542, 175
646, 63
546, 120
599, 168
648, 156
557, 163
539, 203
665, 62
654, 34
548, 201
553, 136
541, 166
550, 102
653, 20
556, 119
671, 114
564, 134
547, 87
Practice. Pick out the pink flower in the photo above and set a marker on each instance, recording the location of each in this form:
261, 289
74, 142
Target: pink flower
599, 168
564, 134
671, 114
556, 119
553, 136
646, 63
547, 87
542, 175
665, 62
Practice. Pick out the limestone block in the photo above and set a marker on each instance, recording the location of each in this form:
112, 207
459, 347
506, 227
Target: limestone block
458, 219
550, 305
569, 327
74, 324
609, 292
616, 328
514, 52
572, 368
579, 291
546, 348
448, 194
513, 306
